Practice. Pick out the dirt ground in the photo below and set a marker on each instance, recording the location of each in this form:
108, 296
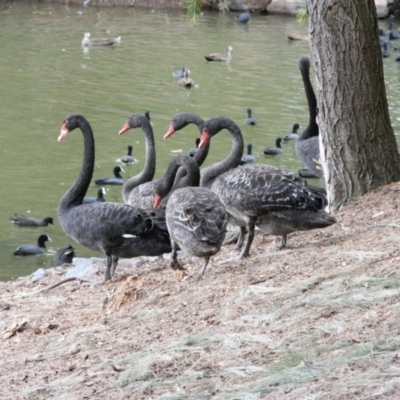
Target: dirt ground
318, 320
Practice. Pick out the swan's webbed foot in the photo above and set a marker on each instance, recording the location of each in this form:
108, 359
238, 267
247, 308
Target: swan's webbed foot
174, 258
175, 265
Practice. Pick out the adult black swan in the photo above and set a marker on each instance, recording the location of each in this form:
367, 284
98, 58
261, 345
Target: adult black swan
132, 189
307, 145
275, 200
118, 230
196, 218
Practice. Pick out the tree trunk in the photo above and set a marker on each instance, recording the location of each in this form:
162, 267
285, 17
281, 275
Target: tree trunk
358, 146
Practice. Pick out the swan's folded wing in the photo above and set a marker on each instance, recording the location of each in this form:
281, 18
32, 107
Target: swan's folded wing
204, 216
258, 189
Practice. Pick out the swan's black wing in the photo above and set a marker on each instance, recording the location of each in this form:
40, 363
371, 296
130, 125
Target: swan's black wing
257, 189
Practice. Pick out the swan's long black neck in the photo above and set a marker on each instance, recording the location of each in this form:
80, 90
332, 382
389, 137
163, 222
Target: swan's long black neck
74, 196
149, 169
200, 155
192, 178
233, 158
312, 128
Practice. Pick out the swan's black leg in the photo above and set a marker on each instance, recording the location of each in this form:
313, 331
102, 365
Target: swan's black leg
107, 275
174, 257
207, 259
114, 265
246, 251
240, 240
283, 242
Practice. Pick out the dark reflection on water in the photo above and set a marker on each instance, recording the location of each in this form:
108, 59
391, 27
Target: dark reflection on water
46, 75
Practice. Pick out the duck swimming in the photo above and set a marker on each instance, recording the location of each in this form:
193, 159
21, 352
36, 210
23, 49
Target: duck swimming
86, 41
218, 57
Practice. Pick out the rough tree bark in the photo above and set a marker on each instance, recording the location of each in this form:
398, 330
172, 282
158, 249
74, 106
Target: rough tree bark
358, 146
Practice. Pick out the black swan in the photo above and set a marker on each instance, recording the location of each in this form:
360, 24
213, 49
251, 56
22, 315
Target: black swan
275, 200
134, 189
196, 218
117, 180
32, 249
22, 220
221, 57
129, 159
274, 150
249, 157
194, 150
307, 145
243, 17
147, 114
292, 135
250, 120
100, 197
64, 255
86, 41
118, 230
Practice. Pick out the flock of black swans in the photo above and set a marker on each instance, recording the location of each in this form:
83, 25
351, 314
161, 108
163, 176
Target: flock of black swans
189, 209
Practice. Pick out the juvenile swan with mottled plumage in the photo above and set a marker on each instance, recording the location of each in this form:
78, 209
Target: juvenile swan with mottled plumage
274, 199
196, 218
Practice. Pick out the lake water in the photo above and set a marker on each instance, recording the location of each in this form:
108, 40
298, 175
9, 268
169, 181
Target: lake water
46, 75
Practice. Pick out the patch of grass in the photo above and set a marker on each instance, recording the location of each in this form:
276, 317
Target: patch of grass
362, 350
288, 360
385, 283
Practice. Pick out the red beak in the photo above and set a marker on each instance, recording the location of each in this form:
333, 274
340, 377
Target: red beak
125, 128
169, 132
64, 131
204, 139
157, 201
